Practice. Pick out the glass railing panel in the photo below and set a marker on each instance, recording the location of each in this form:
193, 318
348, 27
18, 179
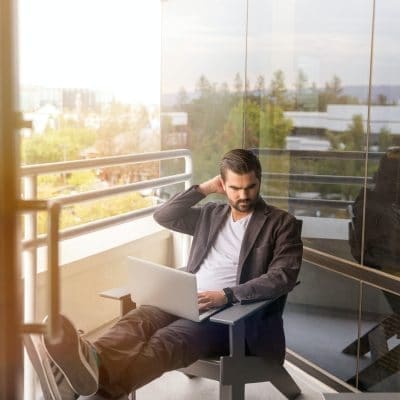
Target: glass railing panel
379, 341
308, 72
376, 244
203, 79
320, 319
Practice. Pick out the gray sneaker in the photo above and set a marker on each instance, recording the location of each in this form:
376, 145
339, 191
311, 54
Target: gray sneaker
52, 381
76, 358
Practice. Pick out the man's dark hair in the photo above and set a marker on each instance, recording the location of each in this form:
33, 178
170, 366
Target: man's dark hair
240, 162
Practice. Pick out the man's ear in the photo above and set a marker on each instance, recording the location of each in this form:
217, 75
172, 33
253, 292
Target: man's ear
222, 183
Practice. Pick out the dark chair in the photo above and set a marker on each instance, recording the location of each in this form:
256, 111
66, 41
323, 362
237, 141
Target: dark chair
236, 369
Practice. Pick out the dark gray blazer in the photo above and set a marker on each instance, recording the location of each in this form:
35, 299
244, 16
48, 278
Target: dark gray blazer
269, 261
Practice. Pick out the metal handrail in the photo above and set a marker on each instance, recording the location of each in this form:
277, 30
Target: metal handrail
33, 170
38, 169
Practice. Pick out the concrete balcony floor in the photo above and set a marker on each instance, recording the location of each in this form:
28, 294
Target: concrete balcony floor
175, 385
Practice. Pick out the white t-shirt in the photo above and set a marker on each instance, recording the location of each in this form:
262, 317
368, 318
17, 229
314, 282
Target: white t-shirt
219, 268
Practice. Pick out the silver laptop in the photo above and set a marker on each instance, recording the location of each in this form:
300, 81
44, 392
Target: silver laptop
169, 289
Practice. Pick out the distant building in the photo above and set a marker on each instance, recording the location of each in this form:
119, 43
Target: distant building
174, 130
309, 127
307, 143
65, 99
338, 117
45, 117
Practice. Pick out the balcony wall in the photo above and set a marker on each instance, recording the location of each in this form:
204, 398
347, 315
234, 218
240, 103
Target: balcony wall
83, 279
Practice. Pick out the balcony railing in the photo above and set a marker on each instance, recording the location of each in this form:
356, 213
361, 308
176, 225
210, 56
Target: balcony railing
30, 174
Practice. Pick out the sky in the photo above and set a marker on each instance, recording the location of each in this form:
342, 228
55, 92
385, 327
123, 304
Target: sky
322, 37
117, 44
100, 44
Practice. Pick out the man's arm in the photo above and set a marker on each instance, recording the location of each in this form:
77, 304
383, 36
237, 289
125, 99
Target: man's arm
179, 213
214, 185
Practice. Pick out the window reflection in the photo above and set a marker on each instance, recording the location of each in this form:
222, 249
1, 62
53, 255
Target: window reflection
379, 342
321, 318
377, 210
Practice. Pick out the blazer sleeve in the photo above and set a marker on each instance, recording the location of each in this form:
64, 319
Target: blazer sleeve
283, 269
179, 213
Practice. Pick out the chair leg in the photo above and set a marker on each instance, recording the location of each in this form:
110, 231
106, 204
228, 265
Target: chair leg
282, 380
231, 392
132, 395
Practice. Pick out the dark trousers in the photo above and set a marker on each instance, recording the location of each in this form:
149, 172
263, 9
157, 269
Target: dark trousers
147, 342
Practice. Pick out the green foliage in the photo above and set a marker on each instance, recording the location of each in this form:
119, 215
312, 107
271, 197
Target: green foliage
277, 90
56, 145
85, 212
265, 126
354, 137
333, 94
81, 180
385, 139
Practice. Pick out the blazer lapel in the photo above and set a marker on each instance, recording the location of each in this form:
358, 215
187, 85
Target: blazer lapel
256, 223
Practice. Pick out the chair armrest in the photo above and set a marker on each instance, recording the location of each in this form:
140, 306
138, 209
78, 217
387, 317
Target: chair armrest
123, 295
235, 313
115, 293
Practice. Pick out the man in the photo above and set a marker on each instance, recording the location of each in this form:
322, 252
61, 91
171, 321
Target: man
242, 251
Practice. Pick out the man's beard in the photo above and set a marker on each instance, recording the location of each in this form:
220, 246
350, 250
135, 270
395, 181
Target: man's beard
245, 205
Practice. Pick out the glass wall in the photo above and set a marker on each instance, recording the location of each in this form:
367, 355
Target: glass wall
203, 79
90, 88
313, 87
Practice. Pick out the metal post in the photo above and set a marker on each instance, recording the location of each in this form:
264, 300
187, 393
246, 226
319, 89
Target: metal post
29, 264
10, 303
186, 240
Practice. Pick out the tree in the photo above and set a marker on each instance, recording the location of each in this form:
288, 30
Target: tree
354, 137
384, 139
259, 87
182, 99
333, 94
277, 90
224, 89
57, 145
238, 84
204, 87
300, 86
264, 126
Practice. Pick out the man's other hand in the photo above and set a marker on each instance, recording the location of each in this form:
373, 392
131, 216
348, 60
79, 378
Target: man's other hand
214, 185
211, 299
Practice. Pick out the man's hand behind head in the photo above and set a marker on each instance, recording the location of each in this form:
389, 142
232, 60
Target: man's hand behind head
214, 185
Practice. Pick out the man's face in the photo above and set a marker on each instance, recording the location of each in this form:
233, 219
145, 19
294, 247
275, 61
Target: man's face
242, 190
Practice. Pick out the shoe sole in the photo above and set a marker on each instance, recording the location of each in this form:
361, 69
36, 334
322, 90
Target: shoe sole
69, 358
38, 357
